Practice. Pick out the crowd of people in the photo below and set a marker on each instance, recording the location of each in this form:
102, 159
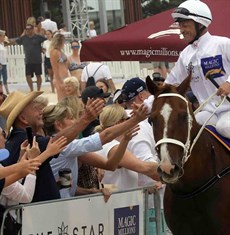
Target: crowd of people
100, 133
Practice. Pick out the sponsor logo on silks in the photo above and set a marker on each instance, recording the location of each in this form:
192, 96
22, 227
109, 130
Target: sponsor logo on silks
213, 67
126, 220
190, 68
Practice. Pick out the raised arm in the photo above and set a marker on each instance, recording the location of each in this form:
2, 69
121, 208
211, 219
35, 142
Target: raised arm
129, 161
114, 156
23, 168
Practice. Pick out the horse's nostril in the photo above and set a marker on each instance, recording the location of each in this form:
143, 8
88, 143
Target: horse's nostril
159, 171
177, 168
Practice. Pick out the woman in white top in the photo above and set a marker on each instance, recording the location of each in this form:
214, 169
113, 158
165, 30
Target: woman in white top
126, 175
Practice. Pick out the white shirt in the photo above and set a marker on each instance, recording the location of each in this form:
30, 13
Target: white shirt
68, 159
208, 53
102, 73
149, 103
143, 147
48, 24
123, 178
3, 54
46, 45
18, 193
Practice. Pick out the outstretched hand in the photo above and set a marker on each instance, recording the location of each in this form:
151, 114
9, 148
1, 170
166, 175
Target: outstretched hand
93, 108
128, 135
55, 147
28, 166
106, 194
33, 151
140, 112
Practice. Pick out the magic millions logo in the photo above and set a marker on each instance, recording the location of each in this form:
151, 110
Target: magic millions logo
63, 230
126, 221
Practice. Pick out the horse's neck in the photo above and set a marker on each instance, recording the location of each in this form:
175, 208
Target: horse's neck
200, 167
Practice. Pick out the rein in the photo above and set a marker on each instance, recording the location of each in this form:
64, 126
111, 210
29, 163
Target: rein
205, 186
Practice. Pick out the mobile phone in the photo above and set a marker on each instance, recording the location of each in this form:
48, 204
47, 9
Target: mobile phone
29, 135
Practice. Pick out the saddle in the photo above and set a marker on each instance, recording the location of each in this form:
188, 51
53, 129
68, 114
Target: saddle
223, 140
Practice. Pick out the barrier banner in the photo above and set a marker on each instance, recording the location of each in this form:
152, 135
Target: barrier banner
123, 214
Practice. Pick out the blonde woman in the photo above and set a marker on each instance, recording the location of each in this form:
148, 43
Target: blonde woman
72, 86
73, 99
60, 64
126, 176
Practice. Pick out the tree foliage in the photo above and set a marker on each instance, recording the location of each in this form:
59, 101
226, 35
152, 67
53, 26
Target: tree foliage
152, 7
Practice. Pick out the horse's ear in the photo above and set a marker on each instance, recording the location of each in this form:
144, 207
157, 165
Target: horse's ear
152, 86
184, 86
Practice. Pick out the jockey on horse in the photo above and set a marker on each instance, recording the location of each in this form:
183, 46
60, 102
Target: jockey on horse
208, 58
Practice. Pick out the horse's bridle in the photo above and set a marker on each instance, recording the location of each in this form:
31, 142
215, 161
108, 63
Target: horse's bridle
187, 144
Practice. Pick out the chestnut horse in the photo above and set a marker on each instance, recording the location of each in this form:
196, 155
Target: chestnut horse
196, 172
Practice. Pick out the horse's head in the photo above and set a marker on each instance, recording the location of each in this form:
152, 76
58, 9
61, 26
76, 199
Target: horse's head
172, 121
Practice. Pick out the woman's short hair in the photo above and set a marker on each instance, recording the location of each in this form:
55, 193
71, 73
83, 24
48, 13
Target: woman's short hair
72, 80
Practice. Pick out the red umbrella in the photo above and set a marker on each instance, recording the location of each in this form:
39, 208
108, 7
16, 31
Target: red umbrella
155, 38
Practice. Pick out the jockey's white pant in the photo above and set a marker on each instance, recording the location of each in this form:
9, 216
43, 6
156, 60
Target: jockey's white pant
221, 121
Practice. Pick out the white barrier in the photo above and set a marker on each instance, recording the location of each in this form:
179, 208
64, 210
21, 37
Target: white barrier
124, 213
119, 69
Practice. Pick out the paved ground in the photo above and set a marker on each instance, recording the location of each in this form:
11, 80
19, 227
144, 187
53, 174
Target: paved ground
47, 90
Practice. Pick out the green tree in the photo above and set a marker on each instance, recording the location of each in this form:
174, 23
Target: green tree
54, 7
152, 7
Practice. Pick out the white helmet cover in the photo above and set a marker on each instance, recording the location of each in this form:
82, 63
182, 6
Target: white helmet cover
193, 10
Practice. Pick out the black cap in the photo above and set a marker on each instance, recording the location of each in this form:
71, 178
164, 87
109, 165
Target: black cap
93, 92
132, 88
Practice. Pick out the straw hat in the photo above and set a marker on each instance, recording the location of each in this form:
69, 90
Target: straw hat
14, 105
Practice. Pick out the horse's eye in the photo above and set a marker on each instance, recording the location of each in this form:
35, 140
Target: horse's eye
183, 116
150, 120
